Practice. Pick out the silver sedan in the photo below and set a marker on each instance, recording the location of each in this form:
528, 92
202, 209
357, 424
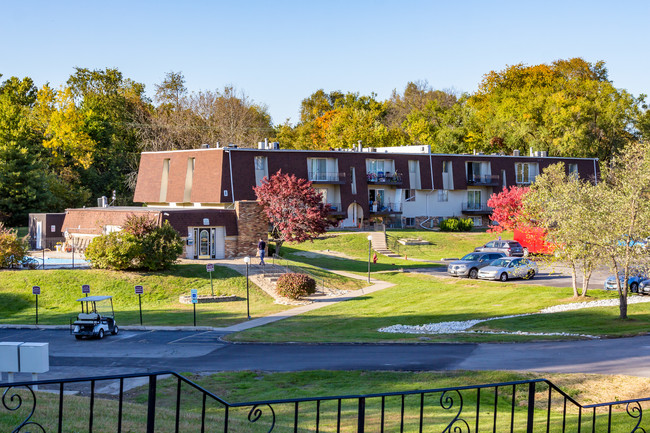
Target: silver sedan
509, 267
469, 265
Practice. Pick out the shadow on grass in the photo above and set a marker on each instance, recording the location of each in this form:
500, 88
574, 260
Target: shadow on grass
352, 265
14, 303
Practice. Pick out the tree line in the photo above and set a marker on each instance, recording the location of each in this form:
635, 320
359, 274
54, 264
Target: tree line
64, 147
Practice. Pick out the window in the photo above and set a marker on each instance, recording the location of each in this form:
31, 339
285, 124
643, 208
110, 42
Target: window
353, 180
473, 199
478, 221
409, 195
189, 177
503, 178
446, 167
414, 174
379, 170
526, 172
447, 175
317, 169
573, 169
409, 222
443, 195
164, 181
323, 192
261, 169
473, 172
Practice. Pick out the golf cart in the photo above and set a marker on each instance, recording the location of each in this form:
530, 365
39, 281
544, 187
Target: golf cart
91, 322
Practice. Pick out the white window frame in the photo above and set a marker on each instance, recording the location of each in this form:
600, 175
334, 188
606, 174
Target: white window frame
443, 195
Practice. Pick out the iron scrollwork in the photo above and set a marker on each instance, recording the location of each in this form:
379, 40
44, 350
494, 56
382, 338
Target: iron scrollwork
13, 401
447, 402
635, 411
256, 413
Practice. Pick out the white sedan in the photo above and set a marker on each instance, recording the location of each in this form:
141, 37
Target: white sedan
509, 267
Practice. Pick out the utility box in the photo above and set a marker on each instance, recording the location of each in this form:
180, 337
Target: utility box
34, 357
9, 359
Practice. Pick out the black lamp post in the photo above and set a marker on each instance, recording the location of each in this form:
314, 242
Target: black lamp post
247, 260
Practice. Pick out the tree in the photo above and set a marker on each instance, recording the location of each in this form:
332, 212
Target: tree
566, 207
294, 209
142, 244
171, 91
507, 208
568, 108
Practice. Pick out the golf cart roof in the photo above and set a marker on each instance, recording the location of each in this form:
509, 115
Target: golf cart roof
93, 298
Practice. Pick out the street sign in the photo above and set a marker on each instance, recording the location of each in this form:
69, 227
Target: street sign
85, 288
195, 296
209, 267
36, 290
139, 290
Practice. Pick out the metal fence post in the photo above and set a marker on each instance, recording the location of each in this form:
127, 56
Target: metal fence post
151, 405
362, 415
531, 407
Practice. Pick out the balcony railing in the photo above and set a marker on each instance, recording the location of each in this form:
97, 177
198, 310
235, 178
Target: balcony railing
476, 208
169, 402
484, 179
385, 208
385, 178
328, 177
336, 208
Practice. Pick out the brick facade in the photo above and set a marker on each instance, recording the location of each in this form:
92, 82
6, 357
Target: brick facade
252, 224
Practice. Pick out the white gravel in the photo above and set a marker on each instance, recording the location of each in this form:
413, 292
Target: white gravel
464, 326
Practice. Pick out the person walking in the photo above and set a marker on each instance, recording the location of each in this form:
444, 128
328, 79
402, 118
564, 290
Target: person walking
261, 247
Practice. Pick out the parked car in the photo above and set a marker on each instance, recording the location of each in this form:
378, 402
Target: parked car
469, 265
509, 248
509, 267
644, 287
635, 278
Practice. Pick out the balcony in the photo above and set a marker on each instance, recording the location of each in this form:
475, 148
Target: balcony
476, 209
331, 178
387, 208
484, 180
381, 178
336, 209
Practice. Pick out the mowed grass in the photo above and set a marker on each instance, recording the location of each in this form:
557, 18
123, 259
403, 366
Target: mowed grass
442, 244
160, 301
246, 386
420, 299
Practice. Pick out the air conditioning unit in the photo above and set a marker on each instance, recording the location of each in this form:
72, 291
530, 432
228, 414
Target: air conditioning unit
102, 201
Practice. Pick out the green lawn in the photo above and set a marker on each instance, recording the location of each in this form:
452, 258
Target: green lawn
246, 386
60, 288
419, 299
442, 244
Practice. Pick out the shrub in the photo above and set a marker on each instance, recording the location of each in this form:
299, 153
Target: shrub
295, 285
12, 248
149, 247
456, 225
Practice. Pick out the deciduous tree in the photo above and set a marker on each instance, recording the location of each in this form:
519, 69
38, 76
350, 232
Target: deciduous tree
294, 208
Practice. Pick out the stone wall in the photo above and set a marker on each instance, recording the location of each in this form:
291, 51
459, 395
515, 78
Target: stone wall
252, 224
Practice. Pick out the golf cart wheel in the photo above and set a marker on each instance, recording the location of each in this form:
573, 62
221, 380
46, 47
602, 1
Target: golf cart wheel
78, 337
504, 277
100, 334
530, 275
634, 288
473, 273
115, 330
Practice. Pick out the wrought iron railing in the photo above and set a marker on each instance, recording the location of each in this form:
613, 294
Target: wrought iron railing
316, 176
483, 179
387, 178
166, 402
475, 207
385, 207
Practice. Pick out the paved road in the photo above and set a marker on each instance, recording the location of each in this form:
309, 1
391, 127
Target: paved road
554, 275
187, 351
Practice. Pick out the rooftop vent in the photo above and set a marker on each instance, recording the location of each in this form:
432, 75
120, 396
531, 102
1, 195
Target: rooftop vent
515, 152
205, 146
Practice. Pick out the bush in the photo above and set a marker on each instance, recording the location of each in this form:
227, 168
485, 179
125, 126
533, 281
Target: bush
456, 225
295, 285
149, 248
12, 248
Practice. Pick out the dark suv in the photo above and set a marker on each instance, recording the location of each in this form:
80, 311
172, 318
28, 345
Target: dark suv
509, 248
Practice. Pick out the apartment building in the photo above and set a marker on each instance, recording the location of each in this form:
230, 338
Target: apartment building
404, 186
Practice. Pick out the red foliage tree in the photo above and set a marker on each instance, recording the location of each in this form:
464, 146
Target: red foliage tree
294, 208
507, 208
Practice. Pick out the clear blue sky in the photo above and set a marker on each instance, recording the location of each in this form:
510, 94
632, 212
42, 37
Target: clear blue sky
280, 52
